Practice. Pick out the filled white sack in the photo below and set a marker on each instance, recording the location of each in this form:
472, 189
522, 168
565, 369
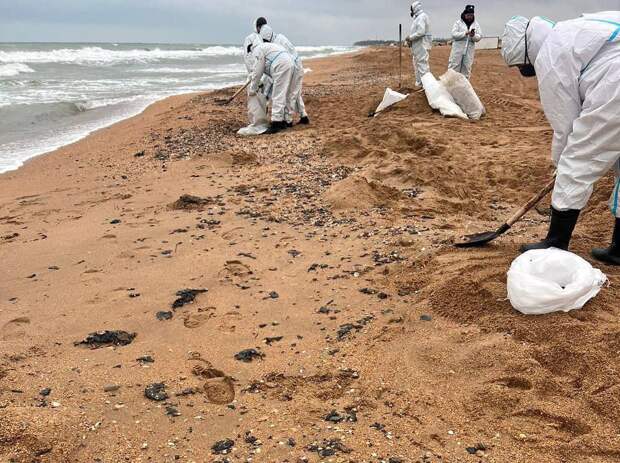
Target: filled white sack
551, 280
439, 98
391, 97
258, 116
463, 94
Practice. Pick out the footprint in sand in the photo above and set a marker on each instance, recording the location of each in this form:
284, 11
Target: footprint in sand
218, 387
14, 329
235, 270
196, 320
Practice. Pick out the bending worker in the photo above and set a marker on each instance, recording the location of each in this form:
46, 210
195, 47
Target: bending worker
257, 104
465, 34
577, 63
297, 102
421, 41
274, 61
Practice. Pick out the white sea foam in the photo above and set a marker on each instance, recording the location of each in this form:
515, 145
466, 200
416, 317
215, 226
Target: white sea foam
14, 69
102, 56
226, 69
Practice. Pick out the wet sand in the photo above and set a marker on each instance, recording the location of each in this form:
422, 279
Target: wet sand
337, 312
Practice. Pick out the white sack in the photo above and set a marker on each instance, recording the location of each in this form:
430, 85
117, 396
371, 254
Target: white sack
258, 116
391, 97
463, 94
552, 280
439, 98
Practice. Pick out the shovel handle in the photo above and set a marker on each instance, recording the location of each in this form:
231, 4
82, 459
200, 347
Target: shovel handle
230, 100
531, 203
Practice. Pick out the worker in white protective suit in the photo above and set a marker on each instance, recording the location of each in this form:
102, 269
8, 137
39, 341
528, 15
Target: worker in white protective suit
296, 105
421, 41
466, 33
274, 61
577, 63
257, 104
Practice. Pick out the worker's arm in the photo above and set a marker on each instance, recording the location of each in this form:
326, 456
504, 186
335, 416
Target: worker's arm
259, 70
477, 33
459, 31
558, 70
286, 43
418, 28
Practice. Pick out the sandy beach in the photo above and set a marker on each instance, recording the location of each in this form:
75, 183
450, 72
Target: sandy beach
328, 317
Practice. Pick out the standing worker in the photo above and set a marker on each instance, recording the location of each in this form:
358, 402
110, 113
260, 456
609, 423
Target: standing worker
577, 63
465, 34
297, 102
274, 61
421, 41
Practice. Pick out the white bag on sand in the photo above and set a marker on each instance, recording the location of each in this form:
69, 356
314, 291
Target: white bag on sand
552, 280
391, 97
463, 93
257, 114
439, 98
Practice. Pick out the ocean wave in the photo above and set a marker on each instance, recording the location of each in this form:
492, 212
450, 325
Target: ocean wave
324, 49
14, 69
102, 56
227, 69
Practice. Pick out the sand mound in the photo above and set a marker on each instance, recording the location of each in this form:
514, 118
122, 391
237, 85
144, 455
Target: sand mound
358, 193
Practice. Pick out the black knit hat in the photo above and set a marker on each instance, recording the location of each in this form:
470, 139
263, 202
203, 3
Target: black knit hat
470, 9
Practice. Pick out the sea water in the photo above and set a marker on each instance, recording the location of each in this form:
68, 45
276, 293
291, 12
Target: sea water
53, 94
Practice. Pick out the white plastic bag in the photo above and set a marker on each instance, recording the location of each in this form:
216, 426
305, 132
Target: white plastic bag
463, 93
439, 98
258, 116
391, 97
552, 280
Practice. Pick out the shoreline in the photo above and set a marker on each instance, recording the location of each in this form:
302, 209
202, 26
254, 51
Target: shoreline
139, 113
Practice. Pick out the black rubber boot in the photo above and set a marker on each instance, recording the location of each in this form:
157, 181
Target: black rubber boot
275, 127
304, 120
560, 231
610, 255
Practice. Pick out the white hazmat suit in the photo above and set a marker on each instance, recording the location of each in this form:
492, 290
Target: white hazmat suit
297, 102
274, 61
577, 63
421, 41
464, 46
257, 104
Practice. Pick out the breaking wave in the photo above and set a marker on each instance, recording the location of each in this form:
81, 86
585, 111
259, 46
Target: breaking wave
14, 69
102, 56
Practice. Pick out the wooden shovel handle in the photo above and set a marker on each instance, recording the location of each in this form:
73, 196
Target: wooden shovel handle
531, 203
238, 92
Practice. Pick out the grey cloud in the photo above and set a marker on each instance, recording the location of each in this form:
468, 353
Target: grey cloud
206, 21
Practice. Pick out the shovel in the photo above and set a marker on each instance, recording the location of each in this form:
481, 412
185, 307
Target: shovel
227, 101
480, 239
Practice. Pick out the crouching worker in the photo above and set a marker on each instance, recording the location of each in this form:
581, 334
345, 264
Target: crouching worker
577, 63
274, 61
296, 104
257, 104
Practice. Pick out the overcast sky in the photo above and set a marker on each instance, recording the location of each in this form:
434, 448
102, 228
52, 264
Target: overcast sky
306, 22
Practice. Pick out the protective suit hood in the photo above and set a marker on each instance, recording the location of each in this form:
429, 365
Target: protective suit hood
416, 8
513, 40
266, 33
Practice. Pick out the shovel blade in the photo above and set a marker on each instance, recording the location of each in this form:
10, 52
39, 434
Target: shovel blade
477, 240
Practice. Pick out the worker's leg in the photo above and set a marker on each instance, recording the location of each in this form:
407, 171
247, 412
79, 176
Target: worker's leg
455, 59
297, 104
611, 255
421, 62
281, 86
468, 62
